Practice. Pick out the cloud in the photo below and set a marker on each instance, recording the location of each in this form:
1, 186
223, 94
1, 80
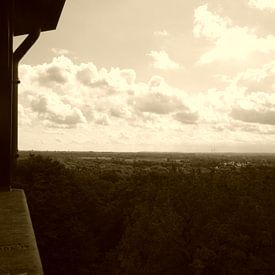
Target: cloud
249, 99
107, 82
262, 4
102, 119
161, 33
95, 105
261, 129
53, 74
88, 75
186, 117
51, 109
229, 41
159, 98
258, 79
162, 61
120, 111
24, 117
158, 103
64, 94
254, 116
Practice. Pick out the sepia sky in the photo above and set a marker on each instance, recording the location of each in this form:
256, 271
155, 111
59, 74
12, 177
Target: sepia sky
157, 75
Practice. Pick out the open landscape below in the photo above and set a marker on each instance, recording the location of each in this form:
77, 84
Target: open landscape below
151, 213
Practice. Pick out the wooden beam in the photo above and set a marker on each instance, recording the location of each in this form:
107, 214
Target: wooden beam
6, 38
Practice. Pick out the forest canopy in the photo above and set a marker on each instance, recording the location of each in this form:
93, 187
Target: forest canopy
155, 220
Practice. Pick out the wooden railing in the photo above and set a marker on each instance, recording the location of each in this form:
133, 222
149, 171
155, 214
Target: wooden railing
18, 249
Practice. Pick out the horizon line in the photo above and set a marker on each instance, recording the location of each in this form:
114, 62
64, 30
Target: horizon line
148, 152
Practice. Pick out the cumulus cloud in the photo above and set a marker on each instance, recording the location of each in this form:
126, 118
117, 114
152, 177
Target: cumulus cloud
159, 98
120, 111
52, 74
262, 4
51, 109
229, 41
254, 116
58, 72
162, 61
96, 104
87, 75
64, 94
186, 117
108, 82
246, 105
258, 79
102, 119
157, 103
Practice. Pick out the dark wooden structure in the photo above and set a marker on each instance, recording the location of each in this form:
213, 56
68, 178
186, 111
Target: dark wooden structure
18, 17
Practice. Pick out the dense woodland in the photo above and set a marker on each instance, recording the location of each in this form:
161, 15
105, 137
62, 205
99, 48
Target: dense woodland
159, 220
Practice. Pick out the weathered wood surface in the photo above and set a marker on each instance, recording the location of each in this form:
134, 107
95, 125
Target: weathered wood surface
18, 250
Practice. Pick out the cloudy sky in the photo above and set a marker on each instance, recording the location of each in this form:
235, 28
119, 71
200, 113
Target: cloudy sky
157, 75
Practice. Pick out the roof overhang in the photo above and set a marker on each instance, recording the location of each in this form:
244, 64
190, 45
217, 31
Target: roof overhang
31, 15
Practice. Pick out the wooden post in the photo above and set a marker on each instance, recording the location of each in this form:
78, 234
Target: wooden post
6, 38
17, 56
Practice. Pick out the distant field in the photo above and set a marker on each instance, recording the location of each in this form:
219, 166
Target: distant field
163, 156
